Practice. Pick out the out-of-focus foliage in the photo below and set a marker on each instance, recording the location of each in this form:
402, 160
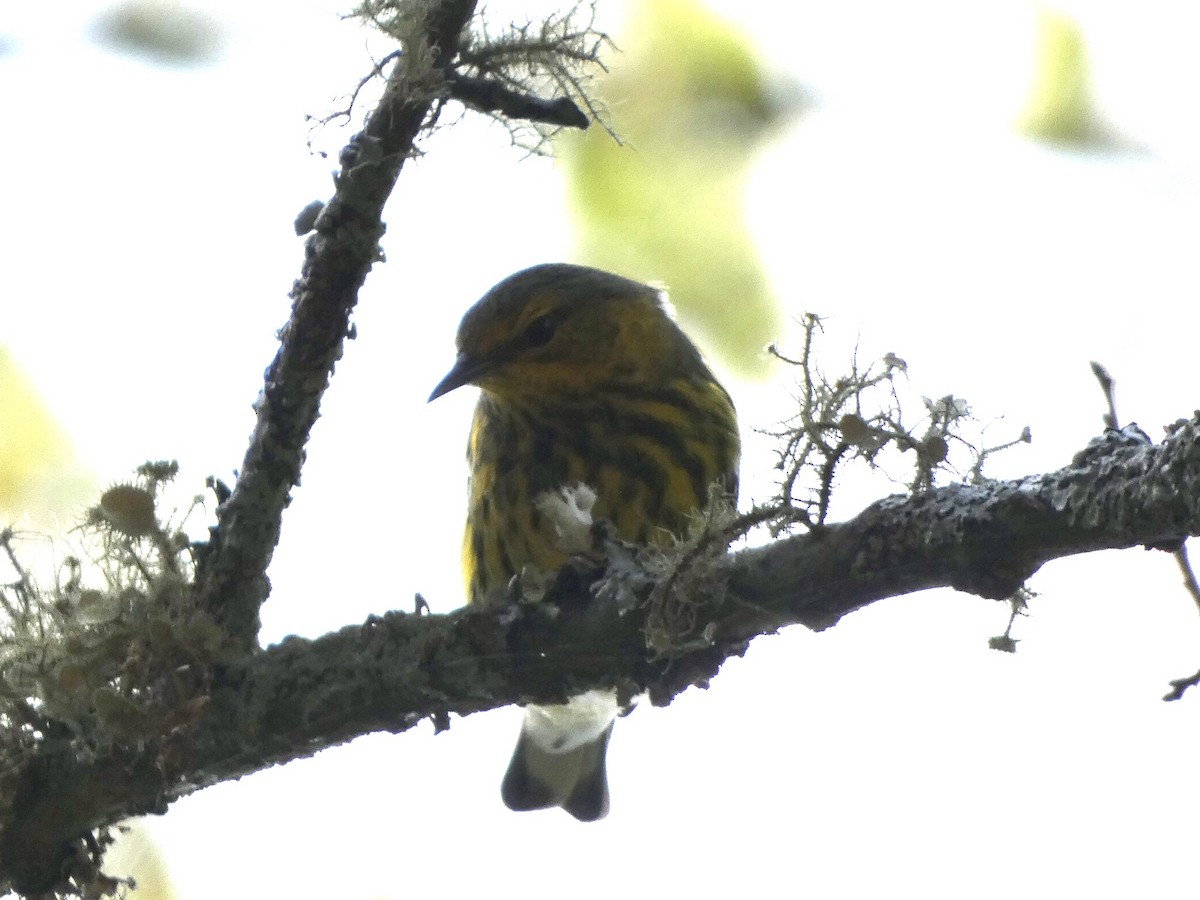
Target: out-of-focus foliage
39, 475
136, 853
165, 31
106, 648
692, 104
1060, 106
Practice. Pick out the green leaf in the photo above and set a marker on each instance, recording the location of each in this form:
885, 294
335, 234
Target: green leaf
692, 105
39, 475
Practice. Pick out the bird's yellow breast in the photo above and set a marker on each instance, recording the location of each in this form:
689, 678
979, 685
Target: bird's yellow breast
650, 454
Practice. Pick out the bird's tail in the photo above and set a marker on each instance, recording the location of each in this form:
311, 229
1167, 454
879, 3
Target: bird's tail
559, 763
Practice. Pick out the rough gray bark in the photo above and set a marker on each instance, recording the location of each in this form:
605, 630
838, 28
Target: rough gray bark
389, 673
338, 256
48, 801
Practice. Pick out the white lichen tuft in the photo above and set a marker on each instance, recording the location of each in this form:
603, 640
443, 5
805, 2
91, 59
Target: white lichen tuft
106, 645
569, 512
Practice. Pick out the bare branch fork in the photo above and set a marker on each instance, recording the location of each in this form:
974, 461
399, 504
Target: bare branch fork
48, 802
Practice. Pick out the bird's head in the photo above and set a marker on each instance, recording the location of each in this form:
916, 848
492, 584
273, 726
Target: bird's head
558, 330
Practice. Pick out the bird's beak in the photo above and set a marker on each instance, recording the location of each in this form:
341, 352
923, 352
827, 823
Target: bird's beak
466, 369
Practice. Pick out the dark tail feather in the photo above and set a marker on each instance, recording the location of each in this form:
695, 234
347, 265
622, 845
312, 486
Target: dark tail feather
588, 800
577, 780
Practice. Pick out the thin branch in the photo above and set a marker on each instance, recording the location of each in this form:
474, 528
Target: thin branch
343, 115
1179, 686
1189, 574
1018, 602
488, 95
1109, 386
981, 456
1177, 548
512, 68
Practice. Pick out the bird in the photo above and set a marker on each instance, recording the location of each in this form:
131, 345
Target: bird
585, 380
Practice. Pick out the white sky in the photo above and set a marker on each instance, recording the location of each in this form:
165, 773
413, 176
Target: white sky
148, 252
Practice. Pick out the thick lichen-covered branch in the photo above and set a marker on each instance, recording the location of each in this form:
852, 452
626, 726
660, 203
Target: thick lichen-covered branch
389, 673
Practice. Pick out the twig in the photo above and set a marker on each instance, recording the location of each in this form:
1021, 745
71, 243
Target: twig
1179, 687
1108, 385
976, 473
487, 95
1189, 575
1017, 604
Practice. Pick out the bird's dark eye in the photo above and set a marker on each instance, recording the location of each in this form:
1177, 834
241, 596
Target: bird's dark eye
540, 331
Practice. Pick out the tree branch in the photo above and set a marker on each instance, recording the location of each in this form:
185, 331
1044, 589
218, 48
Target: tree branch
302, 696
231, 582
489, 95
257, 708
50, 798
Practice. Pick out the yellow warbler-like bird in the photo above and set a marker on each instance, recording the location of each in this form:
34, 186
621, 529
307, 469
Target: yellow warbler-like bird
585, 379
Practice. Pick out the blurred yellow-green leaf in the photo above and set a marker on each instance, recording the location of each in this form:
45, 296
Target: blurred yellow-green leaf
692, 105
135, 854
1060, 106
39, 475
